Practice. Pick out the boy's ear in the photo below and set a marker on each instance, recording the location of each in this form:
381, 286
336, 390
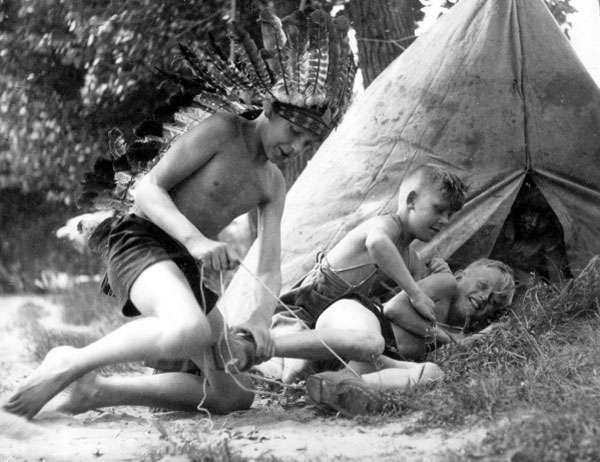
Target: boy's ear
410, 199
459, 274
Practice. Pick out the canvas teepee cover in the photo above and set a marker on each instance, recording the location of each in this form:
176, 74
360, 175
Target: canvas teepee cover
492, 91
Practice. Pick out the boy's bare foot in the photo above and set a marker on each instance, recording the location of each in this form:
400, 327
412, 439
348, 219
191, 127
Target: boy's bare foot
348, 395
52, 376
79, 397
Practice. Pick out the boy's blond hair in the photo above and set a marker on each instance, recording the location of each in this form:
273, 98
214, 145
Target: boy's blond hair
504, 296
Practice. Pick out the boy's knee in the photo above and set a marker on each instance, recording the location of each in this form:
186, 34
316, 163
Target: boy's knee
187, 338
241, 402
369, 346
235, 398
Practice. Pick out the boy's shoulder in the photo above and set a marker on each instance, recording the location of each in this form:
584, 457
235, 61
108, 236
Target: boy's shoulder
388, 222
220, 125
439, 284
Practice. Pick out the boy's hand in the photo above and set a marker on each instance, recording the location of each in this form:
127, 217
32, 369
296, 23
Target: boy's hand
214, 255
438, 265
265, 346
424, 305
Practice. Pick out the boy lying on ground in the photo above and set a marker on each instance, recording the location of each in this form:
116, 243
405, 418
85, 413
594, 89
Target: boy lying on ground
379, 340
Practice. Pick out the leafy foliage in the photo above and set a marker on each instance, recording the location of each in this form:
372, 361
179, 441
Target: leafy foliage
74, 69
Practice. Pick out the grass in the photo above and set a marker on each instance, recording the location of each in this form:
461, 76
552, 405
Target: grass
542, 369
535, 382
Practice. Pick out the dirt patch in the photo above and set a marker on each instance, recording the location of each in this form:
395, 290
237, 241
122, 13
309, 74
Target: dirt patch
268, 431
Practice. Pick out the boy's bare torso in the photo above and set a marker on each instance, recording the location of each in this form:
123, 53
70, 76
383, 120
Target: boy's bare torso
234, 180
352, 257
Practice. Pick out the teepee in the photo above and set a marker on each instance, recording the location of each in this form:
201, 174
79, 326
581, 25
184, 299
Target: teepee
494, 92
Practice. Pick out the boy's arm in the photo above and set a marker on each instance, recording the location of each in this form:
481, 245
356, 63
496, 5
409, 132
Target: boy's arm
268, 270
383, 251
400, 310
189, 152
470, 339
438, 265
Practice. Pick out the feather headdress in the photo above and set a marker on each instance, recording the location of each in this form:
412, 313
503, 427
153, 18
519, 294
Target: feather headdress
304, 66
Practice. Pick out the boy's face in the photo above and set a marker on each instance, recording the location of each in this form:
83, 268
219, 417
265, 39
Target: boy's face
286, 140
429, 213
477, 292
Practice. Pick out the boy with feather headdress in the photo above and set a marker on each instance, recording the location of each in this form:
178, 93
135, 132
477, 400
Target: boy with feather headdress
214, 171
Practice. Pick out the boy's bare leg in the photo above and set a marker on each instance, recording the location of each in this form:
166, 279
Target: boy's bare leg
174, 390
346, 327
299, 349
220, 393
173, 327
398, 375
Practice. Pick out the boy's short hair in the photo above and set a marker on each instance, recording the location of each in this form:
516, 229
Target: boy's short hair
504, 296
450, 185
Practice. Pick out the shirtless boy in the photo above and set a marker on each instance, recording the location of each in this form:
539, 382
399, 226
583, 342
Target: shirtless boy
374, 251
215, 172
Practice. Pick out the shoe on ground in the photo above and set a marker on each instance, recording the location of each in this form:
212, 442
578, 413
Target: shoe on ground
348, 395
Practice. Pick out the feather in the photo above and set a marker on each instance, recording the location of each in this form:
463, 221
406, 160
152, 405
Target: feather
100, 181
193, 85
142, 151
274, 41
148, 128
318, 57
245, 90
296, 30
248, 53
116, 143
196, 65
214, 73
338, 45
222, 70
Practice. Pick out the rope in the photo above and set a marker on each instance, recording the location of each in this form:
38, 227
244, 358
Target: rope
230, 364
295, 316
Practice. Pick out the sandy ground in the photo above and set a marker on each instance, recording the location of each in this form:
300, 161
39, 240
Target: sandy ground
268, 431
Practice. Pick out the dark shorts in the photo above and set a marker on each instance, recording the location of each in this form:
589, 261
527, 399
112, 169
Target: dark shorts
390, 349
133, 245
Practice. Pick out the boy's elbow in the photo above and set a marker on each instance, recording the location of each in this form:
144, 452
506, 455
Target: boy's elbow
396, 305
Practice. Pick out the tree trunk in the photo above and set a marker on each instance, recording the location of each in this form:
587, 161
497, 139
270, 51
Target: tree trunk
384, 28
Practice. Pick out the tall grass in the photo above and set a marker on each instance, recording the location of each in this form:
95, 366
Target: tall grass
542, 369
